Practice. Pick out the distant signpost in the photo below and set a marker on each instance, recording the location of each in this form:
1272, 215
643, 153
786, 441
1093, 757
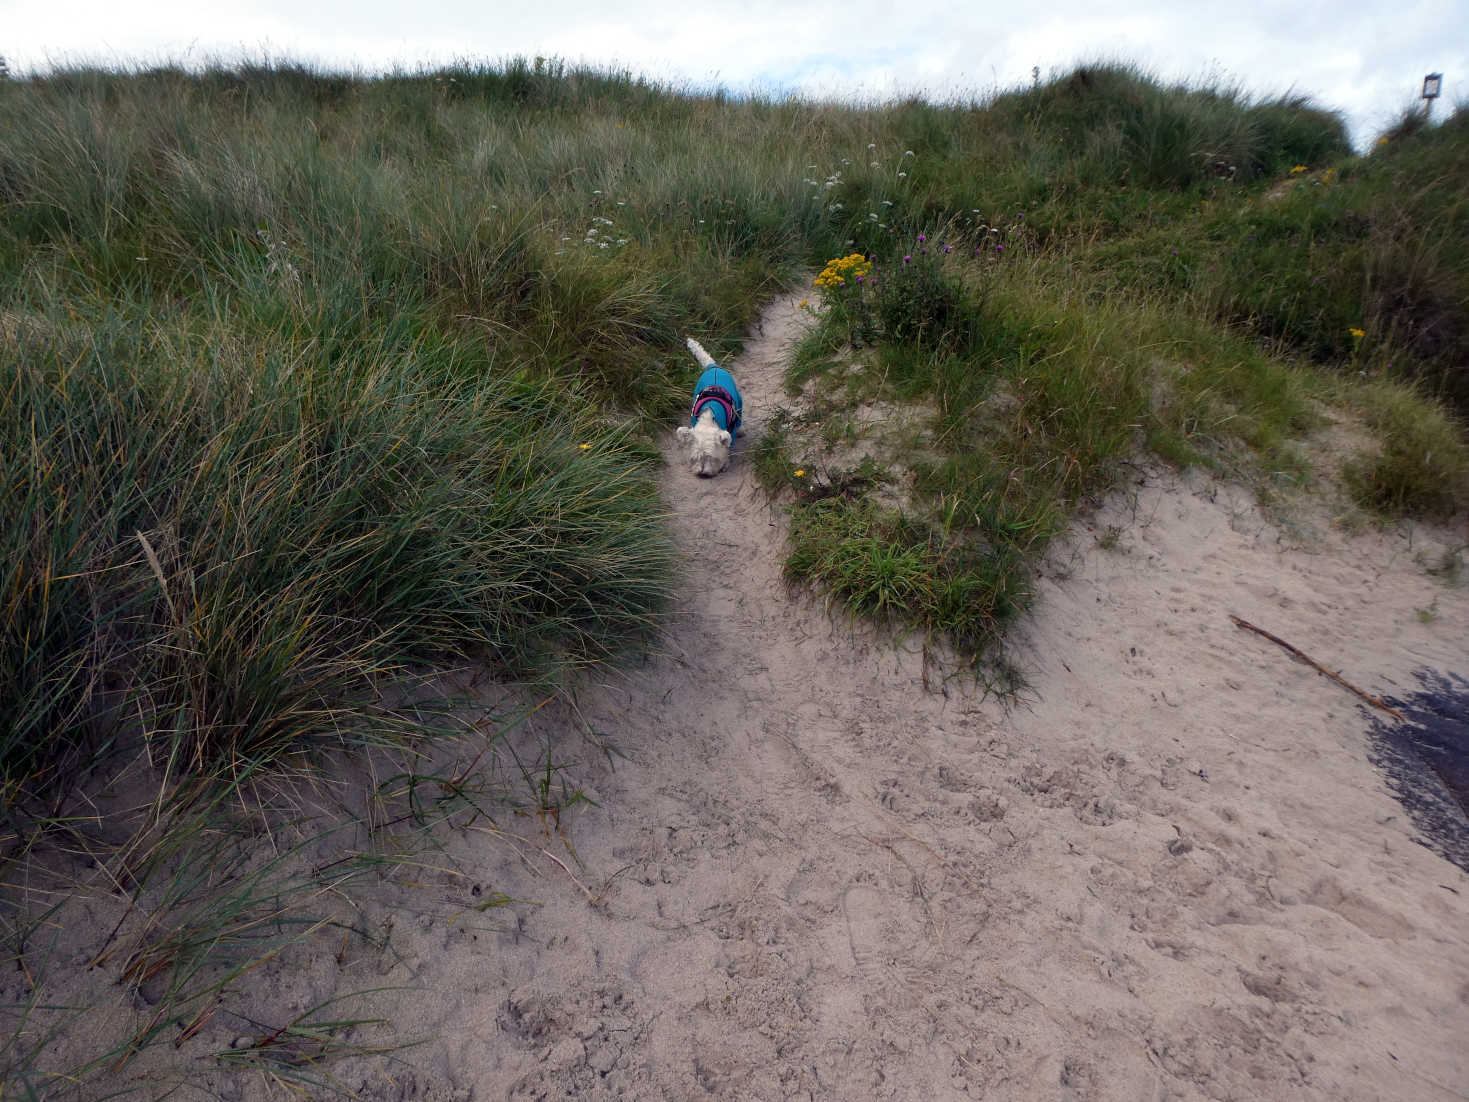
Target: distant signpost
1432, 85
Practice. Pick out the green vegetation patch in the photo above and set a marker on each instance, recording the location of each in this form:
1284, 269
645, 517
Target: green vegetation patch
229, 538
881, 565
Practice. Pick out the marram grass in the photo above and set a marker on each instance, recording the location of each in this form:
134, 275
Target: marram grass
231, 538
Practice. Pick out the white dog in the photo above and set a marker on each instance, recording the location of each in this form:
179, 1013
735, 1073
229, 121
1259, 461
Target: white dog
715, 418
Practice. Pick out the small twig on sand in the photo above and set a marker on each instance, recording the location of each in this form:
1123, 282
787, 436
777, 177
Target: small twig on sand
1375, 701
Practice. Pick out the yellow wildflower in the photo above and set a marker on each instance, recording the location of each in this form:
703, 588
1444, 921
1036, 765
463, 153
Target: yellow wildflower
1357, 334
1298, 170
584, 447
843, 268
800, 471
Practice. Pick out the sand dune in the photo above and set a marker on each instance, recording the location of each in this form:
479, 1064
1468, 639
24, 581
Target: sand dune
1174, 874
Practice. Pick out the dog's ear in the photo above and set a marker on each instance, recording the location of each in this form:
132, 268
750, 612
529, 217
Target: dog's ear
725, 438
685, 434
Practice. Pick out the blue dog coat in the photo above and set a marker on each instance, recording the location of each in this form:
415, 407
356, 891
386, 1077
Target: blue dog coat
716, 391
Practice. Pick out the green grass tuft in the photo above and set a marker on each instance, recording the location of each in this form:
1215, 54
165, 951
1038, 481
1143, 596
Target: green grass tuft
1423, 465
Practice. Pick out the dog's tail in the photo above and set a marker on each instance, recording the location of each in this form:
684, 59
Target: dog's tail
704, 359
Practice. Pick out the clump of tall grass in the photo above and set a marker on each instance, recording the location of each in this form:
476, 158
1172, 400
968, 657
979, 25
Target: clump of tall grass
225, 537
899, 572
1112, 123
1422, 465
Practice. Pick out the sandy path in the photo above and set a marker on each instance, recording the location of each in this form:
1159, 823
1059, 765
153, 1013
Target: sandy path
1175, 876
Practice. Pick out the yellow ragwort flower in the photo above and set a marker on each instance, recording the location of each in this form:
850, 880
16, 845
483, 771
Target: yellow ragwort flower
1357, 334
800, 471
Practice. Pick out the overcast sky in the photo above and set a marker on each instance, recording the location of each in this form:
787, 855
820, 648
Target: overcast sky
1366, 58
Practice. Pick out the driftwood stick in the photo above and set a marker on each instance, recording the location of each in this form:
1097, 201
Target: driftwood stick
1375, 701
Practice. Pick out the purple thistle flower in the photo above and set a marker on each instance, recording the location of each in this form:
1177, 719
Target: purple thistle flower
921, 237
948, 248
906, 259
999, 248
